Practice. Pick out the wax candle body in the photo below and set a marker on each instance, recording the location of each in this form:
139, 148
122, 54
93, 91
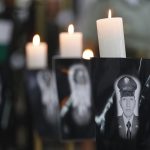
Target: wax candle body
36, 56
70, 44
111, 37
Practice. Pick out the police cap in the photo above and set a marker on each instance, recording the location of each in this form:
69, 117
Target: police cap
127, 86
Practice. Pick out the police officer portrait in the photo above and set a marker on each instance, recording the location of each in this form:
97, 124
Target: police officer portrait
121, 91
127, 90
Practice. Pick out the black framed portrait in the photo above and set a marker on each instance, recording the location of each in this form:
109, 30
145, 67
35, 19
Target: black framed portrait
75, 98
42, 97
121, 91
7, 115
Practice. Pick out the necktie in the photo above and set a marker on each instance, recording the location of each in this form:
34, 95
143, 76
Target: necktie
128, 130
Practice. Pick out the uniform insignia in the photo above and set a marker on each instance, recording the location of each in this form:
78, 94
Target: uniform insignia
126, 80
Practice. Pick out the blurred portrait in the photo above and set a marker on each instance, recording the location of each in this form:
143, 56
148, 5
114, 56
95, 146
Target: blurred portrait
43, 99
79, 100
80, 96
47, 85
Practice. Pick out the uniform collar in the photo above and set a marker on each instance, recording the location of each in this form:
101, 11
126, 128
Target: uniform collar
126, 121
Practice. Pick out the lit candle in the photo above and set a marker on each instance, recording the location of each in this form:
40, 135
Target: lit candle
87, 54
111, 37
70, 43
36, 54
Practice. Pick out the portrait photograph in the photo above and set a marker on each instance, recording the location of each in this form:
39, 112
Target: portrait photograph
42, 97
7, 115
127, 89
121, 92
75, 98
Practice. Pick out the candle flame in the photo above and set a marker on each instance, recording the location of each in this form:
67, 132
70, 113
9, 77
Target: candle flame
36, 40
109, 13
71, 29
87, 54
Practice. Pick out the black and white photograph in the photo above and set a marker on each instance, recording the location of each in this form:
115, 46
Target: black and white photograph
127, 105
7, 116
43, 100
121, 96
75, 98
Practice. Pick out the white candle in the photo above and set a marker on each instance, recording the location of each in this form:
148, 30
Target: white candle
70, 43
111, 37
36, 54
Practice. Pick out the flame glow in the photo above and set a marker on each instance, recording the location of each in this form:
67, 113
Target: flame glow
36, 40
87, 54
71, 29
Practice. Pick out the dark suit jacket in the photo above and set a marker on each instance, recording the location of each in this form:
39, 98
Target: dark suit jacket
122, 129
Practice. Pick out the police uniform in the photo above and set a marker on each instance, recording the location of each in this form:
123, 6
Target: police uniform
127, 129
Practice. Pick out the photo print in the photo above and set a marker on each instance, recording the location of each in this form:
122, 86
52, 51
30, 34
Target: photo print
75, 98
121, 92
43, 100
7, 116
